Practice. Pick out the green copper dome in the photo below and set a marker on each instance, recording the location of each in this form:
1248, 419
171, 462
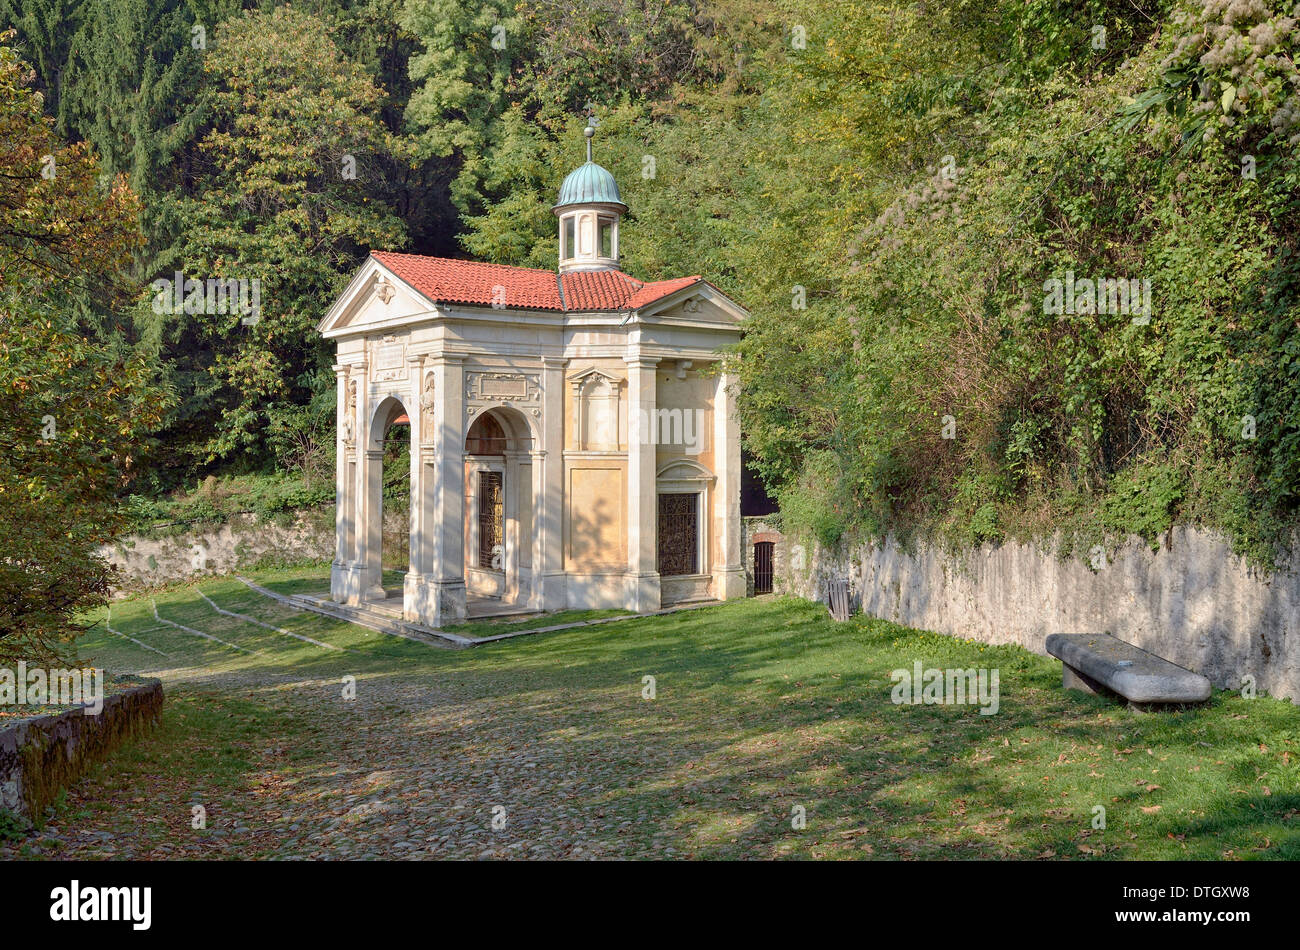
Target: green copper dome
589, 184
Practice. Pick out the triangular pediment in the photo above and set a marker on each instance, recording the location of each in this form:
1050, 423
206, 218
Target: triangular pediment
594, 375
700, 304
375, 299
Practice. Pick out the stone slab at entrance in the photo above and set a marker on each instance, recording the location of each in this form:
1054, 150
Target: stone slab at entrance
1092, 660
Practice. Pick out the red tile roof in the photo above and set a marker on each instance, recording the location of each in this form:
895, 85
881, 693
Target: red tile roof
444, 280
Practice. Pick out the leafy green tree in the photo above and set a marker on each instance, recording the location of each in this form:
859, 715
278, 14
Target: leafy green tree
605, 50
282, 197
462, 72
59, 219
951, 396
370, 34
132, 88
45, 32
74, 412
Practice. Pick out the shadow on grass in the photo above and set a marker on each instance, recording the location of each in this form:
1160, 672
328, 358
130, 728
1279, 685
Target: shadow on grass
766, 711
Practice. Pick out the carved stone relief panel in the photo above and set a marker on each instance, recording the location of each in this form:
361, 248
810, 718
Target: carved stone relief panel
503, 388
349, 420
388, 356
427, 396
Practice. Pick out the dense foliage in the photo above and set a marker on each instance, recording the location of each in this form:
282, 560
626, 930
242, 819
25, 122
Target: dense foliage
75, 403
898, 193
960, 397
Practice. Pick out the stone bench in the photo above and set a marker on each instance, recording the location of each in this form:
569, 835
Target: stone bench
1092, 661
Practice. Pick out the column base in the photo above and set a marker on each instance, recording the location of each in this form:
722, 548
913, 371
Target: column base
370, 582
730, 584
643, 594
554, 593
433, 603
345, 583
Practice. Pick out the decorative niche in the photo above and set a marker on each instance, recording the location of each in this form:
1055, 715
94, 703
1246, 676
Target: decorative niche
596, 397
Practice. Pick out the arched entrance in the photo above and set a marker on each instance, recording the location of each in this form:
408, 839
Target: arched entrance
502, 488
764, 565
388, 500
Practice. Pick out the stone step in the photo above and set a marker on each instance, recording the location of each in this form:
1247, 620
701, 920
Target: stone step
383, 621
364, 616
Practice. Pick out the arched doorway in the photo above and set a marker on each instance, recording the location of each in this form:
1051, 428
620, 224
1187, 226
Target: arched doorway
388, 489
500, 518
764, 566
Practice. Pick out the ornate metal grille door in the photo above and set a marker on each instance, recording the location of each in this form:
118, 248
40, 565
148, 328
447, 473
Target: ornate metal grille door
490, 549
679, 533
763, 567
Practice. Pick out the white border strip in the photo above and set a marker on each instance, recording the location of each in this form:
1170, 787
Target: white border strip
198, 633
248, 619
132, 639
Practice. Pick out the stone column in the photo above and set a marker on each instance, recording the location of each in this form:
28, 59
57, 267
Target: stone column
371, 533
510, 537
445, 602
728, 569
550, 591
415, 584
342, 493
364, 507
537, 463
642, 582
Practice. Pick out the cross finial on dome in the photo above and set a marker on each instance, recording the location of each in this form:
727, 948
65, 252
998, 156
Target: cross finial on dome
589, 210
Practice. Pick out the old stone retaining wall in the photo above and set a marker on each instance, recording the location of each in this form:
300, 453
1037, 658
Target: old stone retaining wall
179, 552
182, 552
39, 756
1191, 601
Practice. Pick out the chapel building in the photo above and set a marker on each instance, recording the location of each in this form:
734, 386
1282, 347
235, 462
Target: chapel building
573, 438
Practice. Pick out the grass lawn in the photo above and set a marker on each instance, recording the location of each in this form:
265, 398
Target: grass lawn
544, 746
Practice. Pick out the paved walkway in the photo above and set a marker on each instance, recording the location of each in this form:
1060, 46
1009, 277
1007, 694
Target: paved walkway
452, 763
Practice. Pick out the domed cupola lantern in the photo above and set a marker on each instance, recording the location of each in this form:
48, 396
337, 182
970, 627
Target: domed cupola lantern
589, 210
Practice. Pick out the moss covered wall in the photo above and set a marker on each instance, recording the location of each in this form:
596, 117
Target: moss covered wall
40, 756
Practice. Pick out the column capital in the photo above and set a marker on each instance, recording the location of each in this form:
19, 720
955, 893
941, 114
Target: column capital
341, 369
555, 362
642, 362
445, 358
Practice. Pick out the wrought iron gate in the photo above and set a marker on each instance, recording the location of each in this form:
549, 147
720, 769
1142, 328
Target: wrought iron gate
679, 533
489, 522
763, 566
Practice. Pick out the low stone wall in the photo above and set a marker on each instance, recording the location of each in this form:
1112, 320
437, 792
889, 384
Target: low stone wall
1191, 601
39, 756
181, 552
